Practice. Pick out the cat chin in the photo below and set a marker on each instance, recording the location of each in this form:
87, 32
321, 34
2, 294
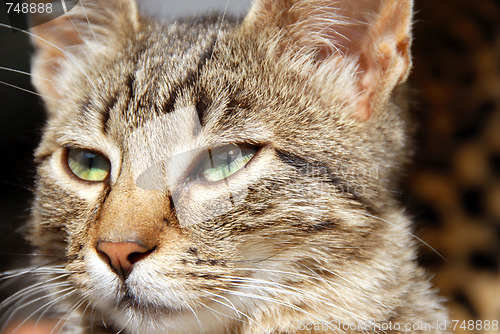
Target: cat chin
155, 323
130, 317
134, 321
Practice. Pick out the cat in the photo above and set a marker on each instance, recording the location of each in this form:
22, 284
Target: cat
206, 176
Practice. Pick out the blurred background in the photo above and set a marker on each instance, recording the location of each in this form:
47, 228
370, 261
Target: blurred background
452, 191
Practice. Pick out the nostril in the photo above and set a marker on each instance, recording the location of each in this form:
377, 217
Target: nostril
137, 256
104, 256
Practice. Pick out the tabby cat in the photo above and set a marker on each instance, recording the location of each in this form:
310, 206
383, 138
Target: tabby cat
205, 176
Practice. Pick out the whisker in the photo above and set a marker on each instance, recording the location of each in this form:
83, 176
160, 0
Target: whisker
54, 267
219, 29
275, 271
362, 292
43, 313
300, 293
11, 316
25, 254
88, 21
211, 310
42, 270
276, 301
196, 316
19, 303
121, 330
24, 89
35, 93
231, 306
32, 75
47, 306
407, 231
264, 298
74, 61
25, 73
68, 315
92, 319
76, 28
29, 290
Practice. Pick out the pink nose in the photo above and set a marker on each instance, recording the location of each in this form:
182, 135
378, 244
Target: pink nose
121, 256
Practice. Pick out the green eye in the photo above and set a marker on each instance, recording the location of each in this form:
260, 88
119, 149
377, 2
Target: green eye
88, 165
224, 161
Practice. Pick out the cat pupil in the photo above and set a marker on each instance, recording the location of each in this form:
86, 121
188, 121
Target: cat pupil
90, 159
224, 161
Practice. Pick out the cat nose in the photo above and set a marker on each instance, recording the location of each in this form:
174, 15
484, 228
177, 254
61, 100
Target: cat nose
122, 256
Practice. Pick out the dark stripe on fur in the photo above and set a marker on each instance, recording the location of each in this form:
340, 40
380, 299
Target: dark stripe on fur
189, 81
106, 112
318, 169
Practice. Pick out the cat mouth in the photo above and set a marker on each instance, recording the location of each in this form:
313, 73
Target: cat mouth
130, 302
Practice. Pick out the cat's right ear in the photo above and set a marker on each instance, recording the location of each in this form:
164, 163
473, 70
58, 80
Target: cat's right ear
61, 44
372, 38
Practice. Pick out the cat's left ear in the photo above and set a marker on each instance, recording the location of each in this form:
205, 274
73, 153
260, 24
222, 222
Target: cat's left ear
64, 43
374, 34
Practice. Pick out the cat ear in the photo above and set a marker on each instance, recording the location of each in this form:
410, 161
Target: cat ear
65, 41
376, 34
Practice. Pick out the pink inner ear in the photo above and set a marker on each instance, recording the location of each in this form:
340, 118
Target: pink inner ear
59, 32
376, 32
385, 58
373, 66
45, 67
388, 65
70, 37
364, 108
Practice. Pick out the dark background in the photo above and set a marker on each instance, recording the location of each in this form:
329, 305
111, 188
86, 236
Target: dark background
21, 120
452, 190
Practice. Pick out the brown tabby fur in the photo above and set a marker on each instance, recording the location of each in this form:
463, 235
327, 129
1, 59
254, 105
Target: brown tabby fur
316, 236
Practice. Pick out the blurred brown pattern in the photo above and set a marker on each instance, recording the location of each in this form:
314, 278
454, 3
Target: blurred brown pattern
454, 186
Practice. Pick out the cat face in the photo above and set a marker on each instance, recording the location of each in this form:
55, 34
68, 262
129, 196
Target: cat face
200, 174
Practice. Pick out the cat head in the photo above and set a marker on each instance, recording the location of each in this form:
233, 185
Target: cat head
187, 167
